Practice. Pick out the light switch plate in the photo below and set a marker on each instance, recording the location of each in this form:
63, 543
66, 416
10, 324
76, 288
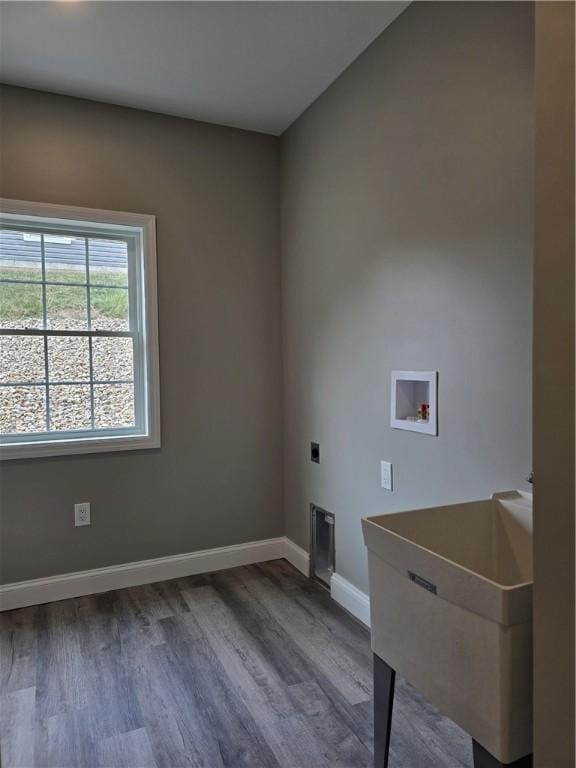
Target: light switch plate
386, 475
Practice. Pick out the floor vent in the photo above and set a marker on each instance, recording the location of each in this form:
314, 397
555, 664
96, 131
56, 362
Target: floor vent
322, 545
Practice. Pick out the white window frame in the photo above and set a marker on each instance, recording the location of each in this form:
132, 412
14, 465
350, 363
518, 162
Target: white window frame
142, 280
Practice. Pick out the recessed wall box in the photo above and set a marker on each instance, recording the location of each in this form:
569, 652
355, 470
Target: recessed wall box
322, 545
414, 401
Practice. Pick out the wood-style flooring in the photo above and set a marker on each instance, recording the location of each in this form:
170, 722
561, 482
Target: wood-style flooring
254, 667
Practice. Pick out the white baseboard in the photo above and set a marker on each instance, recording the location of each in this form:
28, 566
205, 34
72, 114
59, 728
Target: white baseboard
350, 597
299, 558
37, 591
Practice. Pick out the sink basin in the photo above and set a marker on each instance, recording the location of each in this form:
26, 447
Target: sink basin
451, 609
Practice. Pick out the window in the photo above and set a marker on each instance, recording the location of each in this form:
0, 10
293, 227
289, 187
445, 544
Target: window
78, 331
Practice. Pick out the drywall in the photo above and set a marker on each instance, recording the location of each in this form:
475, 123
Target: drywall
406, 231
216, 481
554, 389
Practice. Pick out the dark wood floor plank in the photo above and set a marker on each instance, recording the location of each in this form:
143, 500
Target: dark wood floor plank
126, 750
269, 635
179, 737
245, 666
17, 728
281, 574
68, 740
111, 695
205, 685
138, 628
266, 634
340, 743
290, 661
317, 601
108, 688
170, 593
17, 649
98, 624
60, 669
348, 630
353, 679
253, 667
158, 601
196, 580
418, 728
289, 735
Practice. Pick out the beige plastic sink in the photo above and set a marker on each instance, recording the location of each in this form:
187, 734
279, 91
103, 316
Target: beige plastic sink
451, 609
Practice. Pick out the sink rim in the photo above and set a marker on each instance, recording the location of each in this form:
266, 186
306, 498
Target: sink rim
454, 563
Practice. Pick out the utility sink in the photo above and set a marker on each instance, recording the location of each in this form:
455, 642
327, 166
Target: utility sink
451, 609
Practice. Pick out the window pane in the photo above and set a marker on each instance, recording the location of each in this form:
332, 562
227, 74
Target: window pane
22, 409
20, 256
113, 405
65, 258
112, 359
21, 359
20, 305
70, 406
68, 359
108, 261
109, 309
66, 308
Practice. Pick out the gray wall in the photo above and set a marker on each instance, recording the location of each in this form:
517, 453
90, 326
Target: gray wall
406, 231
406, 224
554, 524
217, 478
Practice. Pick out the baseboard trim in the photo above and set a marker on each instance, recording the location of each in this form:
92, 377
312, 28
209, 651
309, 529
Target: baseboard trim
37, 591
351, 598
297, 556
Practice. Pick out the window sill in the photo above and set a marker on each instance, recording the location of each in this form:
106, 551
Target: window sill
72, 447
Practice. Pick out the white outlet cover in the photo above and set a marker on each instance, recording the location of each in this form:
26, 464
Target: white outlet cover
82, 514
386, 475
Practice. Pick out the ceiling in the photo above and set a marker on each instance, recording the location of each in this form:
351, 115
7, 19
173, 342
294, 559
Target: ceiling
254, 65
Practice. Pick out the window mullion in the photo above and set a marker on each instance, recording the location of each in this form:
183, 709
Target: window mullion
17, 281
54, 332
91, 374
136, 299
45, 325
87, 267
89, 318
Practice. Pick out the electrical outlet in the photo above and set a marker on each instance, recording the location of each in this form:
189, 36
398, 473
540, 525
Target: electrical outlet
315, 452
386, 475
82, 513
